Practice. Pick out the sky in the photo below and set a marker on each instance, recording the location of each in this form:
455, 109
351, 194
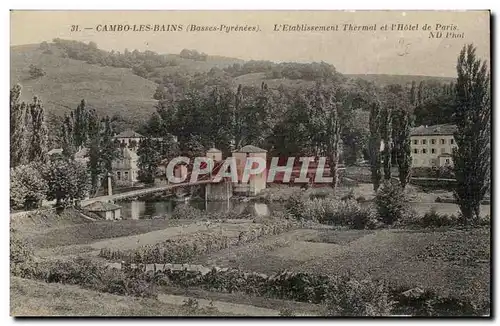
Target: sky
410, 52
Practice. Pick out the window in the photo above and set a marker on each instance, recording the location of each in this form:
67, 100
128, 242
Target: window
443, 141
433, 150
415, 151
415, 161
424, 141
125, 175
452, 141
433, 141
447, 161
415, 141
118, 175
443, 150
424, 151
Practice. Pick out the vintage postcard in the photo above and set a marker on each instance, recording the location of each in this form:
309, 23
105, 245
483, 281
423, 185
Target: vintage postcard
250, 163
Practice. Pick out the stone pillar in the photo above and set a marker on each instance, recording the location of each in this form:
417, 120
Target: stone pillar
110, 190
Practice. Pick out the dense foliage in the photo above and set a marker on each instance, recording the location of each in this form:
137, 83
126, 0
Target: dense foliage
27, 186
392, 202
67, 180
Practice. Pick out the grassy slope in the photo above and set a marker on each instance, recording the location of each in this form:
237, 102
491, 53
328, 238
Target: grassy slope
30, 298
67, 81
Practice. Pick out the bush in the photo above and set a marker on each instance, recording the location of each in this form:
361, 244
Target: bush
27, 186
36, 72
350, 297
91, 275
434, 219
337, 212
295, 204
392, 202
186, 212
21, 256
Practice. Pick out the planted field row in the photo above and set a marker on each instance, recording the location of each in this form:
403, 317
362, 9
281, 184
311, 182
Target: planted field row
183, 248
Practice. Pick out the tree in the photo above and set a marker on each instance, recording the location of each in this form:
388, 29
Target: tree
472, 117
402, 145
374, 144
17, 127
386, 133
27, 186
80, 118
355, 136
102, 149
67, 140
36, 72
39, 133
149, 158
68, 181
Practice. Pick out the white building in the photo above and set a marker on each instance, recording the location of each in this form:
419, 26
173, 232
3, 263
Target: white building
129, 138
125, 168
431, 146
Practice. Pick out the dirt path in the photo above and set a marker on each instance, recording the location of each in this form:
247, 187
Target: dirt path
221, 306
138, 240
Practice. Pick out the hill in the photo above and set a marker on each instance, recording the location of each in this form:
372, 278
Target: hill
384, 79
66, 82
112, 90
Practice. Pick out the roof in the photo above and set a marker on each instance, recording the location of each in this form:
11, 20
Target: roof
129, 134
55, 151
445, 129
100, 206
250, 149
214, 150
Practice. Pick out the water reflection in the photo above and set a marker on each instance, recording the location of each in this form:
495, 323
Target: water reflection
138, 209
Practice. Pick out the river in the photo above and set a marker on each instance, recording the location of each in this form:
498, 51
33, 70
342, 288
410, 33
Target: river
139, 209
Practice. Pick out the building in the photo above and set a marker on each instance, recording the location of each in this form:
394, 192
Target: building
257, 182
129, 138
80, 156
125, 167
431, 146
105, 210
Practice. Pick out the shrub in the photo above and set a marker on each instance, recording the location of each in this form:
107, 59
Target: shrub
92, 275
392, 203
36, 71
349, 297
295, 205
21, 256
338, 212
27, 186
434, 219
186, 212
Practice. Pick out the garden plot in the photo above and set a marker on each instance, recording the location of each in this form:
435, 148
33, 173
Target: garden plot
149, 238
453, 262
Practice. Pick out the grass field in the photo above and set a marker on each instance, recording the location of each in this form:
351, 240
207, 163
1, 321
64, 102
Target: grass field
109, 90
31, 298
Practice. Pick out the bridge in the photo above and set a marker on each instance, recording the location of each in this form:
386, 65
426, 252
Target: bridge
202, 180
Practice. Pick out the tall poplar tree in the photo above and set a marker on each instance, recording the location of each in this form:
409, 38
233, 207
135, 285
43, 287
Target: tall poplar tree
18, 109
374, 145
39, 133
472, 117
